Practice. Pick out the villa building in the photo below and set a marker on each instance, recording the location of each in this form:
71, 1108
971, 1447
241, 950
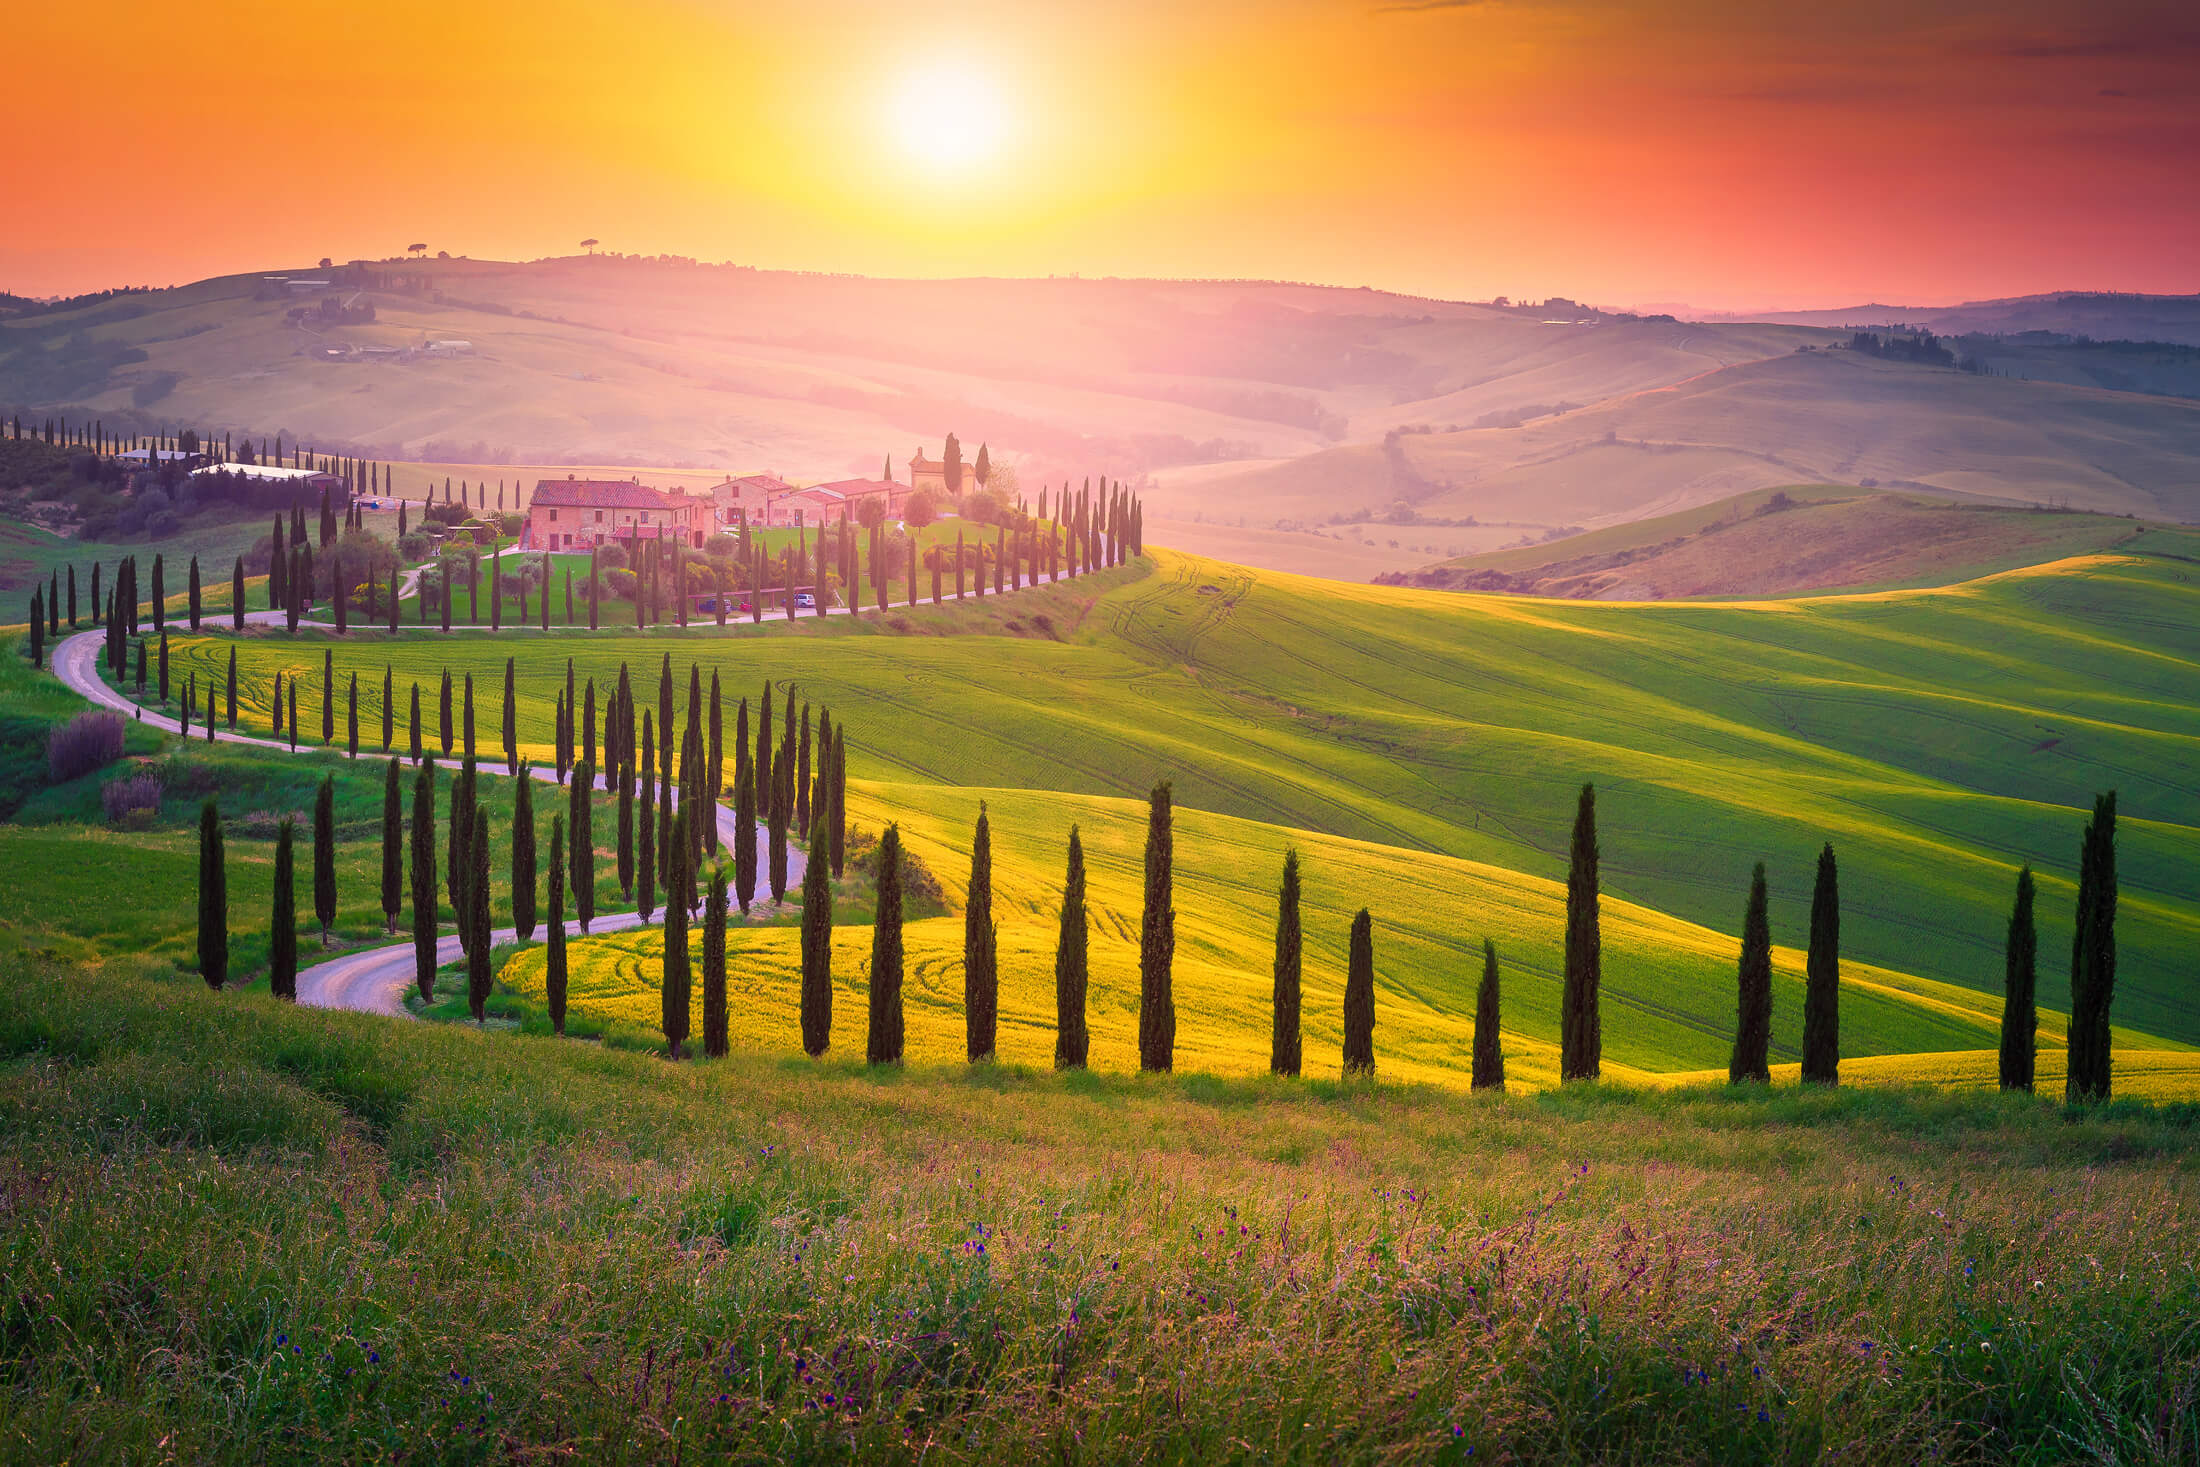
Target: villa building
578, 514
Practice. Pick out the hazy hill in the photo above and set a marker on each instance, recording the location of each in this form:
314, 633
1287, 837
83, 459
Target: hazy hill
1779, 541
2104, 315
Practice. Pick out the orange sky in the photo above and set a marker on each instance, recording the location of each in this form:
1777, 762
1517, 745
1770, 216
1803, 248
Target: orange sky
1717, 152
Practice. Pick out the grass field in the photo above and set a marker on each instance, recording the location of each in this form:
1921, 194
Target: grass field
1936, 738
241, 1232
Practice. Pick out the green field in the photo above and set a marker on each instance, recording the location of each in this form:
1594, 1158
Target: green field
1937, 738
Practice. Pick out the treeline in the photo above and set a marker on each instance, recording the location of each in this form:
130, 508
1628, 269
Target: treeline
1921, 347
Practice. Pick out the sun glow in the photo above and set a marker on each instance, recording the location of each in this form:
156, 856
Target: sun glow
948, 116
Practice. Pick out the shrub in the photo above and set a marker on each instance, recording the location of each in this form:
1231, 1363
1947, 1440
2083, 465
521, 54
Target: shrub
611, 556
619, 583
86, 742
415, 546
444, 512
162, 522
133, 800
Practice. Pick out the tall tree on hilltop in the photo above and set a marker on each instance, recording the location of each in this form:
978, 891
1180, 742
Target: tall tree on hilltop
678, 978
424, 879
554, 967
714, 963
393, 847
1581, 1038
1359, 998
282, 970
982, 468
817, 950
885, 1044
981, 974
1489, 1045
1072, 968
951, 466
478, 921
1822, 991
324, 855
523, 856
1283, 1049
213, 899
2093, 958
1753, 1010
1157, 939
2019, 1016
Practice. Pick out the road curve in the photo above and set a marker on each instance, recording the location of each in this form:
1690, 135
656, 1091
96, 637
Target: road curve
374, 980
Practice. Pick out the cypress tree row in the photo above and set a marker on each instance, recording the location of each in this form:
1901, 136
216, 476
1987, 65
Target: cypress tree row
1359, 998
885, 1043
213, 899
1822, 970
817, 951
2093, 957
282, 970
1283, 1048
677, 982
1581, 1038
714, 962
1157, 940
324, 855
581, 798
476, 919
553, 978
1489, 1045
2019, 1017
423, 879
1752, 1058
393, 839
1072, 974
981, 974
523, 856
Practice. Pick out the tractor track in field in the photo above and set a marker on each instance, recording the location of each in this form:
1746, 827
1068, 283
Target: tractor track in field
370, 980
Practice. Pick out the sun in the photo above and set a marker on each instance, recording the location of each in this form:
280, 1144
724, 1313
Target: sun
948, 116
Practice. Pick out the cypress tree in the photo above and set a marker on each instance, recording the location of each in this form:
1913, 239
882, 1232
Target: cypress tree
236, 595
817, 950
1283, 1050
580, 802
593, 623
511, 721
467, 725
981, 973
744, 834
714, 962
328, 695
351, 718
213, 899
443, 710
477, 919
1489, 1046
389, 706
678, 983
282, 971
554, 917
393, 847
324, 855
40, 622
1753, 1017
1157, 940
802, 777
523, 856
715, 776
625, 778
231, 690
1822, 993
194, 593
459, 859
1072, 1040
1581, 1038
886, 1026
160, 599
764, 746
838, 830
291, 714
2019, 1017
413, 742
1359, 998
2093, 958
38, 629
646, 858
72, 595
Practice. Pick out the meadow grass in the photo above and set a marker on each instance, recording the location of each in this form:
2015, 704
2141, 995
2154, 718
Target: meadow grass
239, 1231
1936, 738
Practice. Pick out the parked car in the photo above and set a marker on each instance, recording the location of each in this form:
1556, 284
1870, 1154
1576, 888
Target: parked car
710, 604
804, 600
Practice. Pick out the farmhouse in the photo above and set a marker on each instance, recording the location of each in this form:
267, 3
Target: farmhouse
740, 500
822, 502
577, 514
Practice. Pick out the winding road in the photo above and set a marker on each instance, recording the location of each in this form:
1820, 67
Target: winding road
373, 980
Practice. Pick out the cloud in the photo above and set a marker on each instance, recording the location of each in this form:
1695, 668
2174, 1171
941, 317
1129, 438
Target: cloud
1416, 7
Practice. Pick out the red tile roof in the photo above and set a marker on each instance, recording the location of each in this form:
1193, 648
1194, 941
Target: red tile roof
856, 488
600, 494
766, 482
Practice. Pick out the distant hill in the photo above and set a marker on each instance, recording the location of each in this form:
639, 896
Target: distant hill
2103, 315
1781, 541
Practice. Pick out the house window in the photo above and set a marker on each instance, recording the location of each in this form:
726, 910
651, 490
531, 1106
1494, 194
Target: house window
599, 516
553, 516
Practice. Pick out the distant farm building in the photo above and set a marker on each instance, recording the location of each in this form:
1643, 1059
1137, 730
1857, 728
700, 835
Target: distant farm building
450, 348
822, 502
742, 500
579, 514
931, 473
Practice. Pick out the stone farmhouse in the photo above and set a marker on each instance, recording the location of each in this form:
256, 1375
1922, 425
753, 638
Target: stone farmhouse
579, 514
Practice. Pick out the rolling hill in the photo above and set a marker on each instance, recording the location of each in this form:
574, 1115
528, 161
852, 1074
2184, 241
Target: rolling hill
1785, 541
1938, 738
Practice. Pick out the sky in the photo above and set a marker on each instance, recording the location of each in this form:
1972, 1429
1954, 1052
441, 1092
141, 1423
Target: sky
1726, 154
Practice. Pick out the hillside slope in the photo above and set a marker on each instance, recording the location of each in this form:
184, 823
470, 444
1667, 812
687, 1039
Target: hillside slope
1784, 541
